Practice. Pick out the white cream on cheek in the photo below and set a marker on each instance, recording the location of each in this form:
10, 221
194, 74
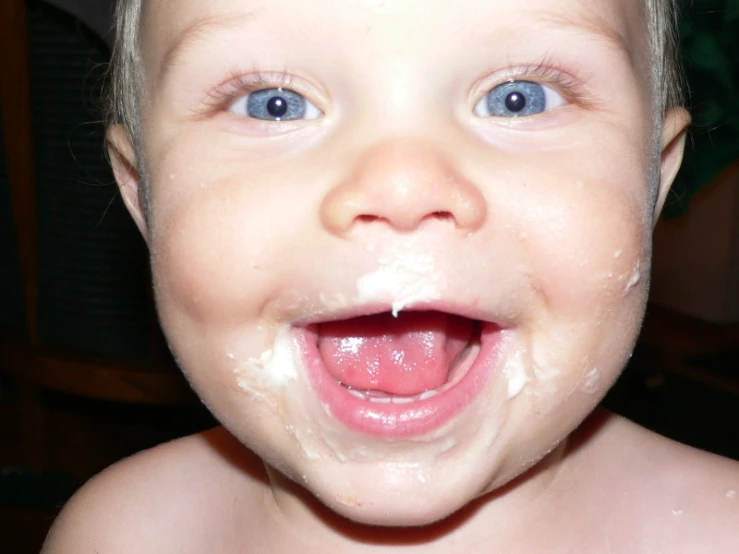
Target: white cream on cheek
590, 381
274, 369
543, 374
264, 377
634, 280
515, 373
630, 279
545, 371
538, 368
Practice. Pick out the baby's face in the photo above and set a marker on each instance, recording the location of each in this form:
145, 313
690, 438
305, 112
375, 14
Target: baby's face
480, 169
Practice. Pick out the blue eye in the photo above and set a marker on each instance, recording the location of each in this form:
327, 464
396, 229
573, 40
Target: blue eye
518, 99
275, 104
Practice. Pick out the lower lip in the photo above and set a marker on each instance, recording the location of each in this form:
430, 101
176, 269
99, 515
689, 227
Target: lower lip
400, 420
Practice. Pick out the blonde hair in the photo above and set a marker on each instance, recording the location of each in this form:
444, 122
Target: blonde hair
667, 71
125, 76
125, 84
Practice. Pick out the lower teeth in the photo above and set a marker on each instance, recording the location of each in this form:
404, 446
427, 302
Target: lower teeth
381, 398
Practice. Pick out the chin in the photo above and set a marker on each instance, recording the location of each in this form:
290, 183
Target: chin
400, 495
394, 511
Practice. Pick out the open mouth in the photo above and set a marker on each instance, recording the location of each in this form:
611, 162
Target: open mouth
404, 375
382, 358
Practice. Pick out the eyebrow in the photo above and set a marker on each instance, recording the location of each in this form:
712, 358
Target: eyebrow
199, 31
595, 27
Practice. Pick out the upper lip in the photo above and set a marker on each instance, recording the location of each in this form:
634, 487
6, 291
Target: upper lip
359, 310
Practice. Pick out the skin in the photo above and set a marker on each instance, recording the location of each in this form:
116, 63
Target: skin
540, 224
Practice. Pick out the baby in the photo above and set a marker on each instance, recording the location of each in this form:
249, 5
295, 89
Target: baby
401, 250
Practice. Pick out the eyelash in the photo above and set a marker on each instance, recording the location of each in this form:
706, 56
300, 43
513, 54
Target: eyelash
239, 84
544, 72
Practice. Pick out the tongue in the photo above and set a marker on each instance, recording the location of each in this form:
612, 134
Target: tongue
406, 355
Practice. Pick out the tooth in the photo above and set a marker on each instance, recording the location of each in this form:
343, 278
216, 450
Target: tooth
402, 400
380, 400
428, 394
357, 394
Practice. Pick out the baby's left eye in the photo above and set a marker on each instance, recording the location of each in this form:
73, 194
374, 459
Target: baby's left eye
275, 104
518, 99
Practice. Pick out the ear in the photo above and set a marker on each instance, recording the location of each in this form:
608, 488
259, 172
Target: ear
674, 129
122, 156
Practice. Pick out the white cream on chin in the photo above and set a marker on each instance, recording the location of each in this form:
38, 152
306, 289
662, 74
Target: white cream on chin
403, 279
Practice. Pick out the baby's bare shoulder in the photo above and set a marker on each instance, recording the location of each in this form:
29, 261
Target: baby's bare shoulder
179, 497
675, 498
700, 491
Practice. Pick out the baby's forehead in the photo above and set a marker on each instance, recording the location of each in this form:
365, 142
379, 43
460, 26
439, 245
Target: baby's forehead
168, 25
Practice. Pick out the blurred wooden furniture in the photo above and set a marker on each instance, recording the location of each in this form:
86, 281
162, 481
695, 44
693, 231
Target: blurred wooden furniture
686, 345
33, 363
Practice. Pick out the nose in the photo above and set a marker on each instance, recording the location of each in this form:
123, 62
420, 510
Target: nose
403, 183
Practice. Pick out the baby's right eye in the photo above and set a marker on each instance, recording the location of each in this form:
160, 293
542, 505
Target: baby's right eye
275, 104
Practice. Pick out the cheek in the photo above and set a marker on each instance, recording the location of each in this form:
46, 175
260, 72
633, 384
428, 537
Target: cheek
589, 252
215, 250
594, 267
589, 236
215, 264
227, 228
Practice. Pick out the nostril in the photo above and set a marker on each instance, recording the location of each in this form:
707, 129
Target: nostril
445, 216
442, 216
366, 218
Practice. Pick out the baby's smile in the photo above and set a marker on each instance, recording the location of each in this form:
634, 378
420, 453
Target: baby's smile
399, 376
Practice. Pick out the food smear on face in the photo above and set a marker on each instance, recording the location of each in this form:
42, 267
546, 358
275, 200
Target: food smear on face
515, 372
403, 280
273, 369
544, 370
634, 280
590, 382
